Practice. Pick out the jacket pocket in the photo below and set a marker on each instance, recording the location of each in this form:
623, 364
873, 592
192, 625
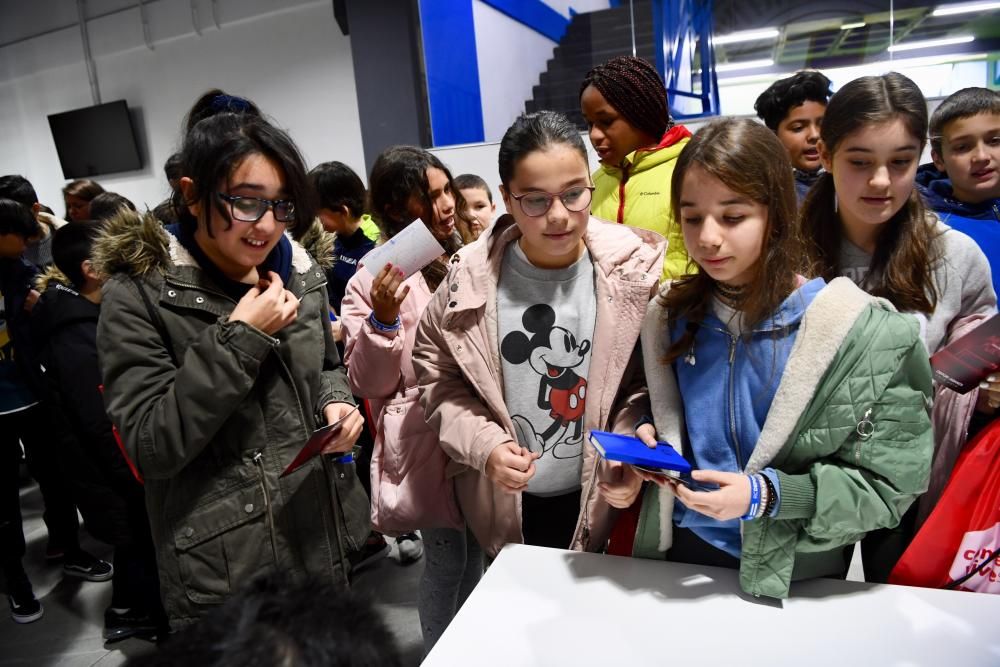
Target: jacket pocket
402, 426
354, 506
222, 544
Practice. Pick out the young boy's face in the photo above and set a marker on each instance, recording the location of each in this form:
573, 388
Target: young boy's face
970, 154
480, 208
799, 134
12, 246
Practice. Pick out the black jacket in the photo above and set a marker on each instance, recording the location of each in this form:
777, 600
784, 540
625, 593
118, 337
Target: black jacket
64, 327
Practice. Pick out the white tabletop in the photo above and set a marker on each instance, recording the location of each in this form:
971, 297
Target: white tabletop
539, 606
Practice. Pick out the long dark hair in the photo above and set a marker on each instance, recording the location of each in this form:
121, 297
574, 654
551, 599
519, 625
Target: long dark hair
748, 159
215, 148
399, 175
905, 250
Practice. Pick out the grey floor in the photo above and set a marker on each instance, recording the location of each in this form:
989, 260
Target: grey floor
69, 634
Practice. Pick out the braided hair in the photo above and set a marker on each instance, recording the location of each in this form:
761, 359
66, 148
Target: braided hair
634, 88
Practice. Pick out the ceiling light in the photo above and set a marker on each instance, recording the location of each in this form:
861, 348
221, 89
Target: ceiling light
746, 36
746, 64
852, 26
930, 43
951, 10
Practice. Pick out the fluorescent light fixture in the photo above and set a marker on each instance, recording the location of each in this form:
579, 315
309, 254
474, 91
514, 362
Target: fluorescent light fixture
951, 10
852, 26
746, 64
746, 36
930, 43
857, 70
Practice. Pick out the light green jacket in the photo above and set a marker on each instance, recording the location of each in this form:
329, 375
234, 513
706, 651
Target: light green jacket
854, 358
638, 195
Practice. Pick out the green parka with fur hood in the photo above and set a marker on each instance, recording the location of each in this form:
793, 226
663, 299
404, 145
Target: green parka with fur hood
212, 434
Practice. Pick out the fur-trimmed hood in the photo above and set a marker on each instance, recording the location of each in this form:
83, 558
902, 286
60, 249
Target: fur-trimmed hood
51, 276
137, 245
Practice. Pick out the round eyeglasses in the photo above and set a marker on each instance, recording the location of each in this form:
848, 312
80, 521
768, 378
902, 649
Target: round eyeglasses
252, 209
536, 204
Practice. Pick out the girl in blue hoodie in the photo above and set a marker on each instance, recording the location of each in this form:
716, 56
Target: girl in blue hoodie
801, 405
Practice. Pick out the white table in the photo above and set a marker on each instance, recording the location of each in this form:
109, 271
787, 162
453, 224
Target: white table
550, 607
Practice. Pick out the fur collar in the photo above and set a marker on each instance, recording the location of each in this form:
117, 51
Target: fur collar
822, 331
138, 246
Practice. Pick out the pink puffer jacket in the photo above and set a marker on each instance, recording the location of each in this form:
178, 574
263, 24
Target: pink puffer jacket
410, 490
457, 362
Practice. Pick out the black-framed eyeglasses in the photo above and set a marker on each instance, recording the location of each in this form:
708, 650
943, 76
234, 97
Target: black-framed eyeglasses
252, 209
575, 199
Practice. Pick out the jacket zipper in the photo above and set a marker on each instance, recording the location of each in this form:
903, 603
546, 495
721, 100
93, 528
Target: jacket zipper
732, 397
257, 459
621, 195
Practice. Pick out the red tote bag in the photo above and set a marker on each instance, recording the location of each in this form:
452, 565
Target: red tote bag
959, 544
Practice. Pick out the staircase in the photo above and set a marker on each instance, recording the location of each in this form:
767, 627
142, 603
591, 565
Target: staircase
591, 39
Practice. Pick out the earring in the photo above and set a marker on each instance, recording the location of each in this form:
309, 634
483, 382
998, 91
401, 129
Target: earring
836, 203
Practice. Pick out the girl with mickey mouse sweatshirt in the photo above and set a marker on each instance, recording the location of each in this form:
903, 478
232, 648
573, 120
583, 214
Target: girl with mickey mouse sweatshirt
531, 343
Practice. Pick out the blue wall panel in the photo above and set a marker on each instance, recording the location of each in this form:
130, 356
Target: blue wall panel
449, 41
535, 14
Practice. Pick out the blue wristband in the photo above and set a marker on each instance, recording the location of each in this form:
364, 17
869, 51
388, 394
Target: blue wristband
381, 326
754, 499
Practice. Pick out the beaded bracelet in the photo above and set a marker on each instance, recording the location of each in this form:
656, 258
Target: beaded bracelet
765, 495
754, 499
384, 328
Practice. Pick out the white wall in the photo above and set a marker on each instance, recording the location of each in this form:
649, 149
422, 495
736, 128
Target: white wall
287, 55
511, 58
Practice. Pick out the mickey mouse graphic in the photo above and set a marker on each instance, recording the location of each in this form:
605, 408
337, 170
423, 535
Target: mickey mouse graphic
552, 352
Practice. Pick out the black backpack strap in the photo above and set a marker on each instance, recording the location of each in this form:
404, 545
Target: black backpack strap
157, 321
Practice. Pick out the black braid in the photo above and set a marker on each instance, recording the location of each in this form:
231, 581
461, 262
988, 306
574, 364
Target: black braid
634, 88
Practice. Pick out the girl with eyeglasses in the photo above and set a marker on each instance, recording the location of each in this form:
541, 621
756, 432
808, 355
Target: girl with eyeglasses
528, 345
218, 365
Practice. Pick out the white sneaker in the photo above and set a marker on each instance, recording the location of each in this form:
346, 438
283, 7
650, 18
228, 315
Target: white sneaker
411, 548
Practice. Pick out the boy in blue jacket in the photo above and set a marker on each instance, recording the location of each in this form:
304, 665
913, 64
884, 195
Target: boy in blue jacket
963, 184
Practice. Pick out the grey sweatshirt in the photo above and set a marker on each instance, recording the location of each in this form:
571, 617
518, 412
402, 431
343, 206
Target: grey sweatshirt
546, 327
961, 275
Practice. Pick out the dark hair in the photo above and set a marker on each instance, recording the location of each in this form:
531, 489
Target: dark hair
173, 167
905, 250
71, 246
783, 95
16, 218
536, 131
964, 103
106, 204
275, 621
216, 101
748, 159
399, 175
471, 181
19, 189
84, 188
635, 89
338, 185
215, 148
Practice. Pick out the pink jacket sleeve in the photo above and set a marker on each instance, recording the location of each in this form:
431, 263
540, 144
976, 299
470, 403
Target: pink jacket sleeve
373, 359
468, 431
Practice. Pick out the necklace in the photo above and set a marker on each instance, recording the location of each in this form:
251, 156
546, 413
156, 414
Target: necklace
730, 293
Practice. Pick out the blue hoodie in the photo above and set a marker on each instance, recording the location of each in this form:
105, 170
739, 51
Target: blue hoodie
980, 221
728, 384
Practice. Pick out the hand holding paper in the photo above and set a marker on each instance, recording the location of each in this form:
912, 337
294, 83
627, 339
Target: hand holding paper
408, 251
343, 427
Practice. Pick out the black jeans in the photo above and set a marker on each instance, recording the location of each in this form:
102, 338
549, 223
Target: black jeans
549, 521
30, 427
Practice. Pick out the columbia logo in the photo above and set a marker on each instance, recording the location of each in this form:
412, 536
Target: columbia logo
646, 192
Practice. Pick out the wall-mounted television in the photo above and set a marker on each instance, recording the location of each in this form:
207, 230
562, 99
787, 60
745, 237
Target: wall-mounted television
95, 140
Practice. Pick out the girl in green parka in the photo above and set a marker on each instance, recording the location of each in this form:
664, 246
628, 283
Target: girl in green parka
802, 405
218, 364
624, 103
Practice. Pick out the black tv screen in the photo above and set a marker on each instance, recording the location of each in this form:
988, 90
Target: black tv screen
95, 140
